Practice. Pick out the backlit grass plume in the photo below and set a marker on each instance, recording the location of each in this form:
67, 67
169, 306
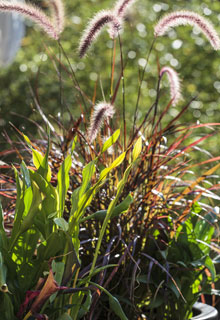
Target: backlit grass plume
183, 17
57, 14
95, 26
33, 13
101, 112
121, 6
175, 87
120, 9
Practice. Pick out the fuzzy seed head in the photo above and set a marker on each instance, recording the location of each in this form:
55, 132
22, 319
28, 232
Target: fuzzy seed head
121, 6
95, 26
119, 10
31, 12
101, 112
183, 17
175, 84
58, 14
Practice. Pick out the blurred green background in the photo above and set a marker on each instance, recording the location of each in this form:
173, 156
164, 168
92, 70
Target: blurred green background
185, 49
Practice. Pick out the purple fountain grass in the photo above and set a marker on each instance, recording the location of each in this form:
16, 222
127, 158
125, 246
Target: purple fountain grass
120, 9
121, 6
33, 13
175, 86
58, 14
102, 111
183, 17
95, 26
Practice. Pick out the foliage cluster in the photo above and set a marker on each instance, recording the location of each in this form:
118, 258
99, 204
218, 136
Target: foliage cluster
120, 227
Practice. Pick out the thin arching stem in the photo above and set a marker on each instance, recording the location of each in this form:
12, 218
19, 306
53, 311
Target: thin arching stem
74, 75
123, 89
140, 85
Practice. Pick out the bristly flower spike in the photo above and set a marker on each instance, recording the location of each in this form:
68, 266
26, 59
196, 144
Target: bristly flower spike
58, 14
33, 13
102, 111
182, 17
120, 9
174, 81
95, 26
121, 6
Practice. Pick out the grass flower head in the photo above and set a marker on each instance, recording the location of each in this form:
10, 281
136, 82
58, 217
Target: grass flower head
183, 17
33, 13
101, 112
95, 26
175, 86
58, 14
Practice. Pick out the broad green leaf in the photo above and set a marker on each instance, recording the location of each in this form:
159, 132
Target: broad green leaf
29, 216
19, 209
25, 219
37, 158
40, 161
58, 269
63, 182
75, 200
53, 246
49, 206
7, 307
73, 144
26, 175
108, 143
44, 169
60, 222
41, 164
137, 148
27, 140
116, 308
208, 263
115, 163
87, 174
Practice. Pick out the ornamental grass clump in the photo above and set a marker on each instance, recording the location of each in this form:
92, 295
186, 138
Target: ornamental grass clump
127, 234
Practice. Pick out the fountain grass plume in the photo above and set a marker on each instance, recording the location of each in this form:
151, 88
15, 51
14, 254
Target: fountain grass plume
121, 6
94, 28
183, 17
58, 14
120, 9
175, 84
33, 13
102, 111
